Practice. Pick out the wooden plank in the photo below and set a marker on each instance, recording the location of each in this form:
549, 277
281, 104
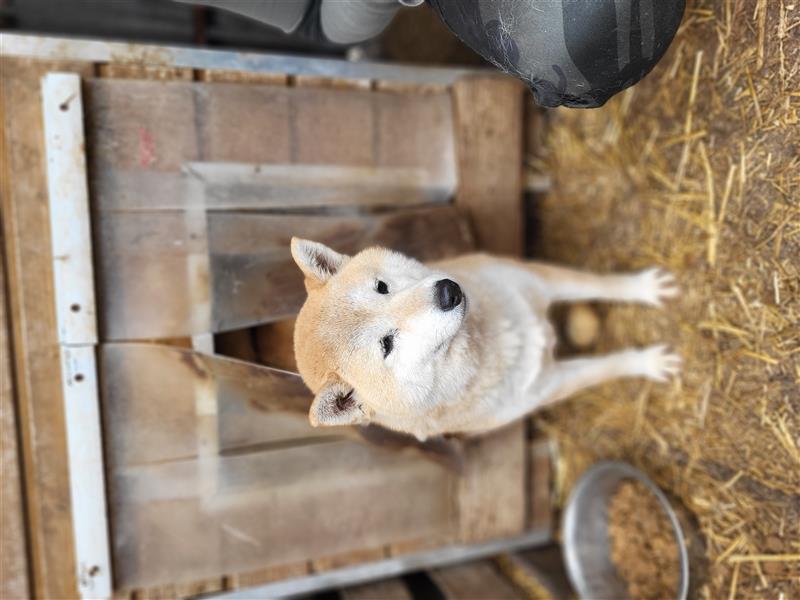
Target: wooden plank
489, 125
143, 135
244, 123
401, 87
97, 51
268, 575
492, 499
36, 357
355, 557
176, 591
139, 126
139, 71
146, 263
249, 407
13, 548
245, 186
246, 77
540, 511
488, 113
388, 589
321, 81
423, 544
474, 581
254, 405
170, 526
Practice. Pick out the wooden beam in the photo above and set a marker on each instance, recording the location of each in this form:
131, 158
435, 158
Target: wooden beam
26, 223
540, 509
13, 548
147, 263
488, 123
492, 499
268, 508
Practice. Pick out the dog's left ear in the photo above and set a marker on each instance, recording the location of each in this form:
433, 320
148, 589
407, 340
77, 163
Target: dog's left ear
337, 404
318, 262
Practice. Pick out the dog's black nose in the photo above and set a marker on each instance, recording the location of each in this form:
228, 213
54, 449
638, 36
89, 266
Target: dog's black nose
448, 294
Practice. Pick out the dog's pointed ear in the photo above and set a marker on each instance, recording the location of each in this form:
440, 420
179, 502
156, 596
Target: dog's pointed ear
317, 262
336, 404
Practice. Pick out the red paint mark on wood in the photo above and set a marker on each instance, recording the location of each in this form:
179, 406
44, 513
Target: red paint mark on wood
147, 147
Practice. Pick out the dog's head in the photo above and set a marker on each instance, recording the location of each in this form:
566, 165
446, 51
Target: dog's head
373, 333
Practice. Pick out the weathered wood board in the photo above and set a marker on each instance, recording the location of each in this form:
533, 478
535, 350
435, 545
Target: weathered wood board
176, 273
153, 418
227, 445
13, 547
488, 119
26, 228
488, 128
141, 139
194, 518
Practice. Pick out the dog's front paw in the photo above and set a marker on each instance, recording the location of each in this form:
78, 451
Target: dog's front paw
653, 286
658, 363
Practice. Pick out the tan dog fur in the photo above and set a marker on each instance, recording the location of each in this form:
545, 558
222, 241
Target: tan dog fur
483, 364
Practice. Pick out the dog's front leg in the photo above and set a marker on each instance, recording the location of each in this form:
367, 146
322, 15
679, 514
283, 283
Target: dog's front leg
564, 378
651, 286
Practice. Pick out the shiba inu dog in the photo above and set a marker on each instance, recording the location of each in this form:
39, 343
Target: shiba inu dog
457, 346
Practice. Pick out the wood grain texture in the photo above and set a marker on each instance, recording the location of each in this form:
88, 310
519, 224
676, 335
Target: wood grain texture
245, 77
185, 520
26, 226
319, 81
271, 491
540, 511
492, 500
175, 591
489, 126
268, 575
339, 561
150, 392
474, 581
146, 263
140, 136
137, 71
13, 547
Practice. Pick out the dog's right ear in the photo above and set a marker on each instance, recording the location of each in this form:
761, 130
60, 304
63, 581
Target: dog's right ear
336, 404
317, 262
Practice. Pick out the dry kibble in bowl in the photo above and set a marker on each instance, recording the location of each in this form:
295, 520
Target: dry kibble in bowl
643, 546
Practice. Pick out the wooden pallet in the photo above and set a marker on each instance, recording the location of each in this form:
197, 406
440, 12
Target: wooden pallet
197, 178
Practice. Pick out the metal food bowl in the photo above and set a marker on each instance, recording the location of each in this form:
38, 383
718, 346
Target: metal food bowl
585, 532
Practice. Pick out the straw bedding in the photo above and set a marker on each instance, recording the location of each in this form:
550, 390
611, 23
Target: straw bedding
697, 169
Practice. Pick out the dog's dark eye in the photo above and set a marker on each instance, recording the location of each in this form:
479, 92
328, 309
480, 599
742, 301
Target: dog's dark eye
387, 344
381, 287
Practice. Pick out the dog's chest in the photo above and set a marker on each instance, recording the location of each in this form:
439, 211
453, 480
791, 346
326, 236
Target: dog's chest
515, 343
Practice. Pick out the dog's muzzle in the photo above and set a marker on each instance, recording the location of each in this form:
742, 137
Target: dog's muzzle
448, 294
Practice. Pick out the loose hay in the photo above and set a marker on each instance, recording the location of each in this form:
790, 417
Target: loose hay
698, 169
